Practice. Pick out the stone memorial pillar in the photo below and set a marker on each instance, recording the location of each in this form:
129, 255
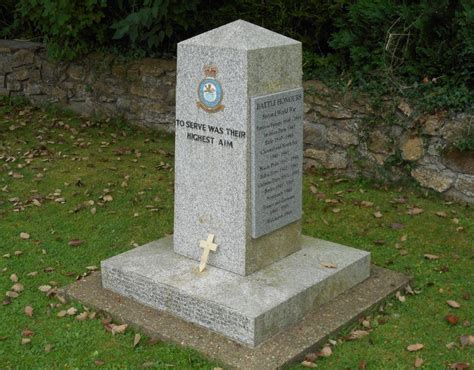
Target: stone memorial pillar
237, 263
239, 146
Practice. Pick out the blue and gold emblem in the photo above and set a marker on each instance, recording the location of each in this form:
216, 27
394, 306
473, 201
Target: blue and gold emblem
210, 91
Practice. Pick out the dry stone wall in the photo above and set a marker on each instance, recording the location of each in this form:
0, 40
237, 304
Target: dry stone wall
341, 132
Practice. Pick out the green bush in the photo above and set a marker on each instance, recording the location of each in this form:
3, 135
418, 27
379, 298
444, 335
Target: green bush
421, 49
69, 28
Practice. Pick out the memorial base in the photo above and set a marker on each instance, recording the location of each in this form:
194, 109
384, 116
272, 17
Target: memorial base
248, 309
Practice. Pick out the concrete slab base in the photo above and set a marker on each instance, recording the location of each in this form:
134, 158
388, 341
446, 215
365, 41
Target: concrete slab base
249, 309
282, 349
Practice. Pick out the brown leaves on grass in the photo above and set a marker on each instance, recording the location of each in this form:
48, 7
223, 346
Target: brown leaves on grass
29, 311
75, 242
419, 362
431, 257
415, 211
453, 304
357, 334
451, 319
466, 340
136, 340
415, 347
24, 236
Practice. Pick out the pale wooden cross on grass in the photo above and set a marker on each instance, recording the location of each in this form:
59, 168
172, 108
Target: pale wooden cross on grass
207, 245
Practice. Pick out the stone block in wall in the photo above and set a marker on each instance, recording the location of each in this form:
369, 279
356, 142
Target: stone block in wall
431, 124
459, 161
314, 135
341, 137
465, 184
76, 72
5, 64
23, 57
328, 158
2, 81
334, 112
12, 84
151, 92
379, 142
156, 67
110, 86
433, 178
32, 88
412, 148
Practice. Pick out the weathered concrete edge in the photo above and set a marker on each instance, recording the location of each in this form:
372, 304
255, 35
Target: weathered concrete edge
281, 350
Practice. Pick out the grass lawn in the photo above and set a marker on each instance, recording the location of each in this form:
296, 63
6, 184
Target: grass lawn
108, 187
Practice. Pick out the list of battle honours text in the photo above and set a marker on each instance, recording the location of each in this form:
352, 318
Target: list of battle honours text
277, 157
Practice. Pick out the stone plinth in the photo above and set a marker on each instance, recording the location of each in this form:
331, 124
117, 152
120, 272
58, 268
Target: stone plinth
248, 309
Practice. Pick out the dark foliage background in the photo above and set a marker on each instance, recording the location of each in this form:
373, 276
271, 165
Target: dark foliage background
423, 49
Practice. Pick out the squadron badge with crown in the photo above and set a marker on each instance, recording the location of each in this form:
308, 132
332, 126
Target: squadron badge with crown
210, 91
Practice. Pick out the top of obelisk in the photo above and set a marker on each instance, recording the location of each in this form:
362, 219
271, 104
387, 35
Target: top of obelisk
240, 35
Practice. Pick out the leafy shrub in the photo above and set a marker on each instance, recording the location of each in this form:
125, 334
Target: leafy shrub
69, 28
156, 23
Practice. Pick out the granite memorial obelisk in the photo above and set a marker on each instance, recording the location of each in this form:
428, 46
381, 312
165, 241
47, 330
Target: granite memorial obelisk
237, 263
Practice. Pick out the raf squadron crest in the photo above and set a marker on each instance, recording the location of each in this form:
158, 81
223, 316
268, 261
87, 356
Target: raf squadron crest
210, 91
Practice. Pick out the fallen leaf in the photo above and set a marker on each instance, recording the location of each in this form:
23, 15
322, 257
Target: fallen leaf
415, 211
415, 347
400, 297
452, 319
108, 198
453, 304
71, 311
75, 242
11, 294
362, 365
136, 340
378, 214
48, 347
27, 333
328, 265
460, 365
18, 253
336, 210
29, 311
466, 340
441, 214
24, 236
397, 226
99, 362
18, 287
25, 341
326, 351
308, 364
14, 278
419, 362
450, 345
45, 288
82, 316
431, 257
357, 334
366, 204
119, 329
313, 189
61, 313
32, 273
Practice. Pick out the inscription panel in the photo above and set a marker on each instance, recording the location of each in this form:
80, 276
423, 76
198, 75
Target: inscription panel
277, 160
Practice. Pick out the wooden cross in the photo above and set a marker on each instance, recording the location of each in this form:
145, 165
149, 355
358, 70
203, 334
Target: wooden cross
207, 245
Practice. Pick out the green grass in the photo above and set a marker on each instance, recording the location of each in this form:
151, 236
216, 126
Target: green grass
85, 157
